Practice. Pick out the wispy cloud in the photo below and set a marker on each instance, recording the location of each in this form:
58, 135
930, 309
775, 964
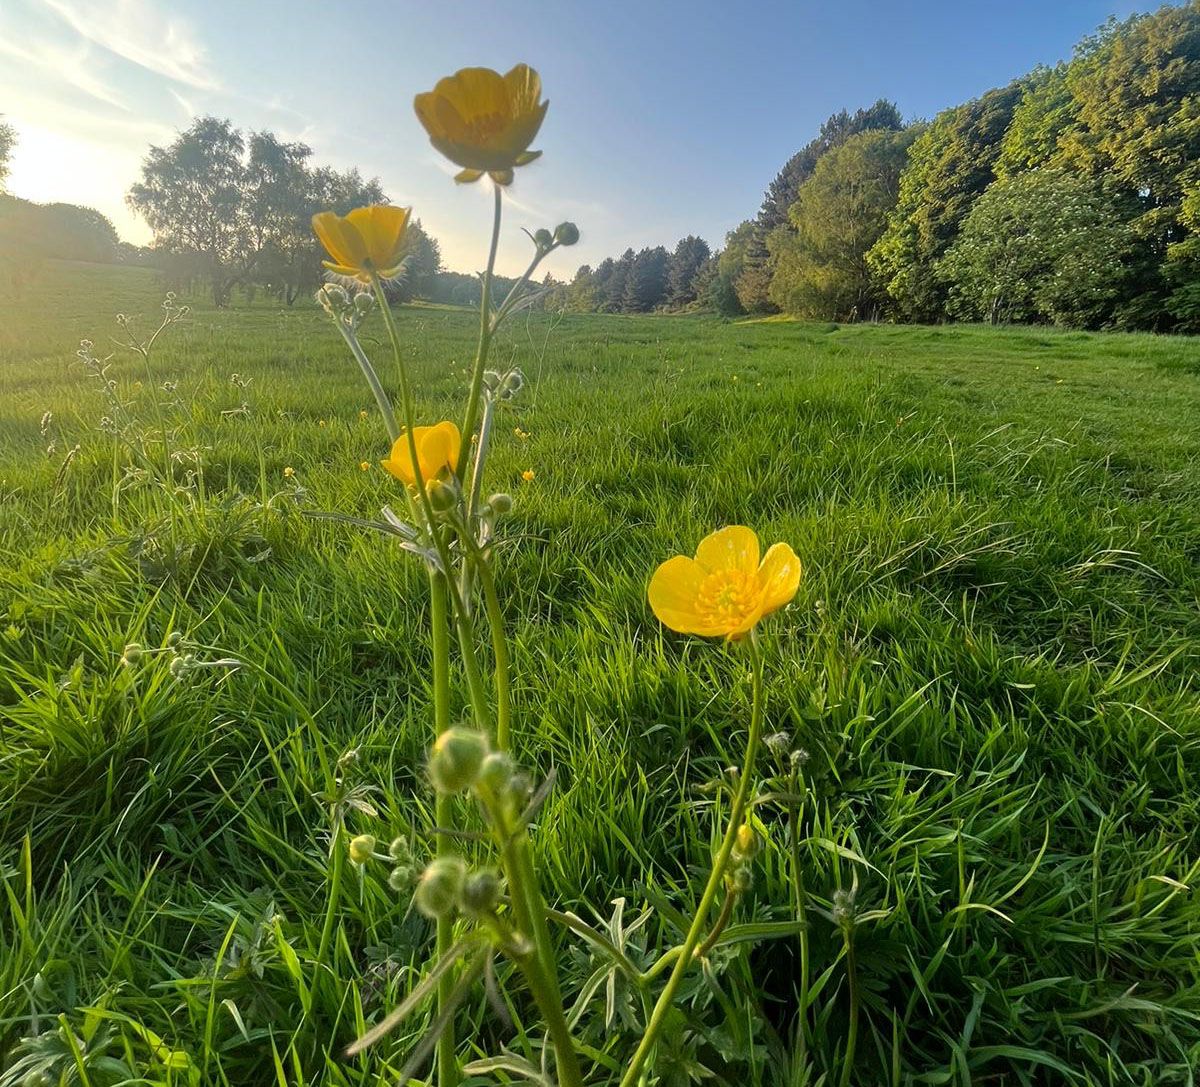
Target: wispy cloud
69, 66
138, 32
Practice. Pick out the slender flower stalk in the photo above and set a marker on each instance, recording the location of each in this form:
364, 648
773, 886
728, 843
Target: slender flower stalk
736, 817
485, 338
447, 1065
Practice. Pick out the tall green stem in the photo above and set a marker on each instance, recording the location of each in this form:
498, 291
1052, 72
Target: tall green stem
499, 649
447, 1067
801, 914
543, 983
376, 386
485, 340
695, 932
852, 1035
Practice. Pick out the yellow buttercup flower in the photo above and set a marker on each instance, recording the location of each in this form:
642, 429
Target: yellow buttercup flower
438, 448
528, 475
365, 466
368, 240
288, 472
484, 121
724, 590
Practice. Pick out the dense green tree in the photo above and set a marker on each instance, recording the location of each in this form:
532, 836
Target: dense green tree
199, 195
689, 257
582, 293
1044, 117
819, 266
8, 140
241, 207
950, 164
837, 129
646, 282
1045, 245
753, 281
715, 290
1136, 89
1182, 269
30, 231
613, 299
744, 263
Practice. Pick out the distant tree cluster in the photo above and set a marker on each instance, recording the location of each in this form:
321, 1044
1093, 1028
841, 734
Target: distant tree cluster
236, 210
641, 282
1070, 196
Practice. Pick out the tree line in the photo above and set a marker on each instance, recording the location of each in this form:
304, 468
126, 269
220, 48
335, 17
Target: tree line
1070, 196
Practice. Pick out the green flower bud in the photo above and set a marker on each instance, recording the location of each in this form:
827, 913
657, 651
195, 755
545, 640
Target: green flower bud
456, 758
542, 238
500, 503
442, 497
495, 774
566, 234
398, 850
480, 892
440, 886
362, 848
402, 878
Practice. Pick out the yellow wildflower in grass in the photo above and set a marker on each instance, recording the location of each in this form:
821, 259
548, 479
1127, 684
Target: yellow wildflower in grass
322, 424
365, 465
438, 448
288, 472
484, 121
724, 590
528, 475
369, 239
363, 414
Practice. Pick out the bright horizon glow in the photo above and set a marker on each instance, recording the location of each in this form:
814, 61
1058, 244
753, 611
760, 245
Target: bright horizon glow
665, 119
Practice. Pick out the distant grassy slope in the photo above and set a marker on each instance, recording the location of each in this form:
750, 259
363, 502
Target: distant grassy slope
991, 665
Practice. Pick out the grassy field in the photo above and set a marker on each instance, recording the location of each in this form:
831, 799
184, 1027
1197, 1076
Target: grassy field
991, 667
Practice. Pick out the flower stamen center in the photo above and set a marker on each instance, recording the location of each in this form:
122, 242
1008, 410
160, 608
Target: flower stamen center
728, 596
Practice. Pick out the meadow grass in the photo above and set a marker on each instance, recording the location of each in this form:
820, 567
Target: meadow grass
990, 669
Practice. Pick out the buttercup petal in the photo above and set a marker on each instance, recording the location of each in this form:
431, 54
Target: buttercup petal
673, 593
732, 548
524, 88
339, 238
779, 575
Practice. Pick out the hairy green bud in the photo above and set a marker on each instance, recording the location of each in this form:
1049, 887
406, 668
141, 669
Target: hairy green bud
495, 775
456, 758
480, 892
440, 886
500, 503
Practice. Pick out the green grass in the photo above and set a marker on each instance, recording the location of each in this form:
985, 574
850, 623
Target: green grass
991, 666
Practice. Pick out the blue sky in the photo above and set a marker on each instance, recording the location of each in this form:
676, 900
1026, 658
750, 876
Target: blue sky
666, 118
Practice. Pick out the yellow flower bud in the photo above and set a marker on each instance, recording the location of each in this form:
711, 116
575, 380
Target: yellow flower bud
748, 842
362, 848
